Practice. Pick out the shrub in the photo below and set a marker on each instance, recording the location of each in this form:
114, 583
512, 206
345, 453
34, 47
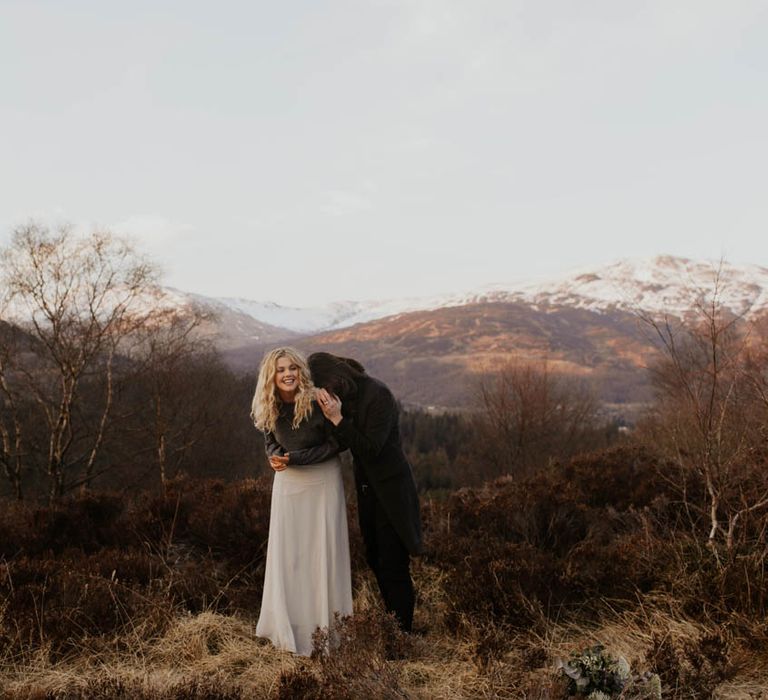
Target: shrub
57, 603
695, 665
493, 580
354, 652
628, 476
352, 661
87, 523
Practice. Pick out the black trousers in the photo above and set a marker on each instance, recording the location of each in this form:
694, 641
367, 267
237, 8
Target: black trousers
387, 557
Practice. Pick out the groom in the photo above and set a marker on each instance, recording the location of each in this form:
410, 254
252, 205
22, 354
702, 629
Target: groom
365, 415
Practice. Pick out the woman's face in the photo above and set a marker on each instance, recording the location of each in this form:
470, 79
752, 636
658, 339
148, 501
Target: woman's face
287, 375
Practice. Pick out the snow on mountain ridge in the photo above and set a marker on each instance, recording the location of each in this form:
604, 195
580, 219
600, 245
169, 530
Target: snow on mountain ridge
663, 284
656, 285
307, 319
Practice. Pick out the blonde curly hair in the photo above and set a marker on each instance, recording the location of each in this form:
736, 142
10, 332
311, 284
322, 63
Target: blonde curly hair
266, 401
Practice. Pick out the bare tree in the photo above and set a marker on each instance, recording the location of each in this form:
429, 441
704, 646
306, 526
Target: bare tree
757, 362
706, 419
11, 403
529, 416
75, 297
170, 357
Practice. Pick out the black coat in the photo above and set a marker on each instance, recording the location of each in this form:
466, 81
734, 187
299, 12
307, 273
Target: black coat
370, 428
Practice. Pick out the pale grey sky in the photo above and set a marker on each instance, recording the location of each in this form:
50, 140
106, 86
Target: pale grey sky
305, 151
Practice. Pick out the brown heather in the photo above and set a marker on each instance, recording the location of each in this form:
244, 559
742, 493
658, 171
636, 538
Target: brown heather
157, 596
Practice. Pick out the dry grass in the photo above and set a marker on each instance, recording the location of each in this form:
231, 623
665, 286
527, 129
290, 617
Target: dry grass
218, 656
221, 649
222, 655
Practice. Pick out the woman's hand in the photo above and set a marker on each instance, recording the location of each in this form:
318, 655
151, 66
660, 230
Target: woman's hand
330, 405
279, 462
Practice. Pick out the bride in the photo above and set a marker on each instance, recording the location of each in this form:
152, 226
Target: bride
307, 577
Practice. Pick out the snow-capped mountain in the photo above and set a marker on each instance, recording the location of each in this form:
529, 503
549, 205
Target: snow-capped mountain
663, 284
659, 285
430, 350
301, 320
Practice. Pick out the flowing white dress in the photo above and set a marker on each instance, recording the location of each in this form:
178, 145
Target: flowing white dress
307, 577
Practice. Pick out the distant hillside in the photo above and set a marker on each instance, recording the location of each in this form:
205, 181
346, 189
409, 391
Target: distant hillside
435, 357
432, 350
584, 325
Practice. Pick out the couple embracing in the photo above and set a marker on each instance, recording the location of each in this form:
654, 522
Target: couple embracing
310, 411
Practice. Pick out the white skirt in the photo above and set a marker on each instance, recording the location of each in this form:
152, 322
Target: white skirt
307, 577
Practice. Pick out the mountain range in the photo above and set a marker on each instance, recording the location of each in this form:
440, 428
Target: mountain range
664, 284
433, 350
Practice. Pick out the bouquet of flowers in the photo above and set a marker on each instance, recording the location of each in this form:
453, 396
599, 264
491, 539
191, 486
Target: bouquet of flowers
595, 675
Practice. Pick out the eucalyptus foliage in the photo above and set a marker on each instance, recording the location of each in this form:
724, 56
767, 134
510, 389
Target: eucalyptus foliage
596, 675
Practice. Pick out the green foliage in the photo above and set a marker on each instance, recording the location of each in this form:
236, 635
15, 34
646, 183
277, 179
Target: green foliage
440, 447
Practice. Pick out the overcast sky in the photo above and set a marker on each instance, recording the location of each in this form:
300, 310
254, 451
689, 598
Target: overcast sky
306, 151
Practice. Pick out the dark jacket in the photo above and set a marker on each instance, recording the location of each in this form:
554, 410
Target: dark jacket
370, 428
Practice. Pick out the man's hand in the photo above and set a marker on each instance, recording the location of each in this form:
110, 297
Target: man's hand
330, 405
278, 462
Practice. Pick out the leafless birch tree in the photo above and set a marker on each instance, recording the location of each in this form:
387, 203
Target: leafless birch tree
11, 407
75, 297
170, 358
706, 418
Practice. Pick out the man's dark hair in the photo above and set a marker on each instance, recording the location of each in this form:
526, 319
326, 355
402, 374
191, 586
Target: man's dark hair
339, 375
